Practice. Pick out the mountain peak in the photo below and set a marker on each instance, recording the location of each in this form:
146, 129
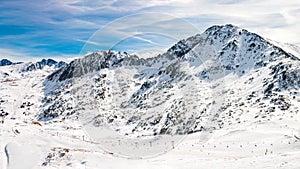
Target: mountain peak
5, 62
227, 27
41, 64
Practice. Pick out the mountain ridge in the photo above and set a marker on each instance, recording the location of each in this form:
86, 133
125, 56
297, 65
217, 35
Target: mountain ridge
184, 46
30, 66
221, 95
208, 59
211, 57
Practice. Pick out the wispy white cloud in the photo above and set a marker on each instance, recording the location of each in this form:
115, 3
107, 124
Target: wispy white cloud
88, 42
147, 40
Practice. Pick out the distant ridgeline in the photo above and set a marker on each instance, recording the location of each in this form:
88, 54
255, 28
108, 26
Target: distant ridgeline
33, 66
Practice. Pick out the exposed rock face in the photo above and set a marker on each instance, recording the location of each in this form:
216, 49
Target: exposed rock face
5, 62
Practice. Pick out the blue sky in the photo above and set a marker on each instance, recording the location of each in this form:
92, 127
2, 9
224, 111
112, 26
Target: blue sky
55, 28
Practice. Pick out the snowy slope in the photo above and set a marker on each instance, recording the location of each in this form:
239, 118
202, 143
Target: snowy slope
234, 93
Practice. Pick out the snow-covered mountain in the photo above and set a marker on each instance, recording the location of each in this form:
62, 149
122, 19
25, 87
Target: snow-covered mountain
30, 66
41, 64
203, 61
235, 86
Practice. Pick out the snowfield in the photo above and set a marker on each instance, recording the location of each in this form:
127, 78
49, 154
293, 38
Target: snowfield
255, 124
